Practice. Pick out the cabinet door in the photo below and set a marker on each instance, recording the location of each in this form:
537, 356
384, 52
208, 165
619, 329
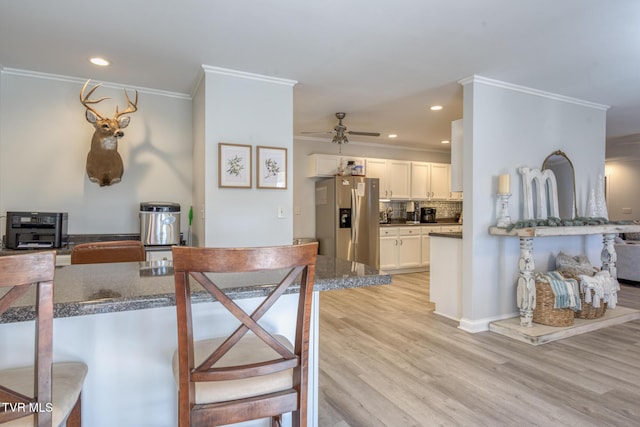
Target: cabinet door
409, 251
440, 180
425, 253
399, 179
420, 172
377, 168
388, 253
159, 255
322, 165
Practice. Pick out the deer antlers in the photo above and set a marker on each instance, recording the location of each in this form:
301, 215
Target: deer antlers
132, 107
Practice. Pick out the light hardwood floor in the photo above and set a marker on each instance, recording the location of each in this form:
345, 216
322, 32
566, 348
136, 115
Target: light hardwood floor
387, 360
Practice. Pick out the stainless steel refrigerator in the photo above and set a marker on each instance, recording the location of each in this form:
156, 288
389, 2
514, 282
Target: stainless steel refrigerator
347, 218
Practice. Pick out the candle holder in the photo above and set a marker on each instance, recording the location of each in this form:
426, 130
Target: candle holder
504, 220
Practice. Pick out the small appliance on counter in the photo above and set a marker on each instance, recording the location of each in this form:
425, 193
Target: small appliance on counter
160, 223
413, 213
36, 230
428, 215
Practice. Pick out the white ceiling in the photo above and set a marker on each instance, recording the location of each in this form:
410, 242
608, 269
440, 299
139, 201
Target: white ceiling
383, 62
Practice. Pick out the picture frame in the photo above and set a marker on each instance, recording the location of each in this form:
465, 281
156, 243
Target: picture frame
234, 165
271, 167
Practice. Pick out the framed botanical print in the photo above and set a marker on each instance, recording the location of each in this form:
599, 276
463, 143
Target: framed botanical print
271, 167
234, 165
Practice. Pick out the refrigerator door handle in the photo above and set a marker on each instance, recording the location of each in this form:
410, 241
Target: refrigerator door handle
356, 217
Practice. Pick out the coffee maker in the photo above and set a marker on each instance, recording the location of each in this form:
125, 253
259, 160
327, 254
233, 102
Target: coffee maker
427, 214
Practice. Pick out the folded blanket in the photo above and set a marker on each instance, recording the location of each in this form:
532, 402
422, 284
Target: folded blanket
605, 289
565, 291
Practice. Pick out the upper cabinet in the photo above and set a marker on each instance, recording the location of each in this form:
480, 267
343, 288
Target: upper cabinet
324, 165
430, 181
399, 179
394, 176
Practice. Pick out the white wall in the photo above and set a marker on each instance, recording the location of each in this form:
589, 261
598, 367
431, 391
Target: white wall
623, 177
304, 188
506, 127
45, 138
248, 109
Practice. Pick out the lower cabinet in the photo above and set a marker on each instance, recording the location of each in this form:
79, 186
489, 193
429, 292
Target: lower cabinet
399, 248
408, 247
159, 255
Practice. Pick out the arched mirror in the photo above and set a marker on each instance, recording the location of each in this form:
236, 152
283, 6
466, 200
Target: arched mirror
562, 168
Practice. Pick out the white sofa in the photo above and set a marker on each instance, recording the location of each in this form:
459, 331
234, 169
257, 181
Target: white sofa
628, 264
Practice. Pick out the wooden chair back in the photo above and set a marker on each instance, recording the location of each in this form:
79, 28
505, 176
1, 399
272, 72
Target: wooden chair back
115, 251
192, 263
19, 273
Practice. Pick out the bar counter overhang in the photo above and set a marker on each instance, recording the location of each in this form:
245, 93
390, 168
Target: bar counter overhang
119, 318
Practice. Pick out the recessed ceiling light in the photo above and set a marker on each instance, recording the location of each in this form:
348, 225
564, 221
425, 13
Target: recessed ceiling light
435, 107
393, 135
99, 61
445, 141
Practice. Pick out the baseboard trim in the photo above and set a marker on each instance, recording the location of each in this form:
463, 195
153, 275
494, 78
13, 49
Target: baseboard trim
481, 325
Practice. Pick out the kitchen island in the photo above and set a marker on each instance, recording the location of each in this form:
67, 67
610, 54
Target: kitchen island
119, 319
445, 277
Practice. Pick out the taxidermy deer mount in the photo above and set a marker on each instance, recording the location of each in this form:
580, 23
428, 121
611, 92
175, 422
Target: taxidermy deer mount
104, 164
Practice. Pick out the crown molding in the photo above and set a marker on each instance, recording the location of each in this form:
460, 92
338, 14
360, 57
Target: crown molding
372, 144
249, 76
531, 91
70, 79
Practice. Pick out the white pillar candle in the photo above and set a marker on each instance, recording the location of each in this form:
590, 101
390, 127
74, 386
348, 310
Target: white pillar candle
504, 184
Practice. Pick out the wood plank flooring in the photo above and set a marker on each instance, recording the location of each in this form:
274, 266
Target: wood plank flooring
387, 360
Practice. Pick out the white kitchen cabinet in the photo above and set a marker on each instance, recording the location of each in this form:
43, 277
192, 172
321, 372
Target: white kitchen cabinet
420, 180
63, 259
430, 181
388, 248
400, 247
394, 176
409, 247
440, 181
326, 165
159, 255
377, 168
425, 241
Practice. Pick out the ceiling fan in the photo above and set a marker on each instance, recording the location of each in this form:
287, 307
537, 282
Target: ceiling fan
341, 131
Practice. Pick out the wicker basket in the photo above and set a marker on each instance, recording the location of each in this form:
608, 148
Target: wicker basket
588, 310
544, 313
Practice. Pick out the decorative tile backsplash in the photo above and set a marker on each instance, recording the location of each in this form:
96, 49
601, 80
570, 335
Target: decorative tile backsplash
444, 209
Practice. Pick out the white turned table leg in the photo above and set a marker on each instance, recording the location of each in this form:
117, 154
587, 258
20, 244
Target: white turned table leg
608, 254
526, 290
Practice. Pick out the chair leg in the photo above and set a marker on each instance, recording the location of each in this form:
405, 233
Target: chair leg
276, 421
75, 416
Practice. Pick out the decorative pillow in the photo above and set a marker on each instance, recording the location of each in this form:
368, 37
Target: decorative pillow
574, 265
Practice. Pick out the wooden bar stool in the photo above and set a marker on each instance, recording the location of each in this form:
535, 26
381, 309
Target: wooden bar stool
115, 251
55, 387
251, 373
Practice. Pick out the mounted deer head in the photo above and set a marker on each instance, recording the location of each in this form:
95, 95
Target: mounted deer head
104, 164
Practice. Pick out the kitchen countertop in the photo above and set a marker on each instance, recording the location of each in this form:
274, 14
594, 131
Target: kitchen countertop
86, 289
428, 224
450, 234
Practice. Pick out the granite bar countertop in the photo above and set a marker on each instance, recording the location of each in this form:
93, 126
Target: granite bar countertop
85, 289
